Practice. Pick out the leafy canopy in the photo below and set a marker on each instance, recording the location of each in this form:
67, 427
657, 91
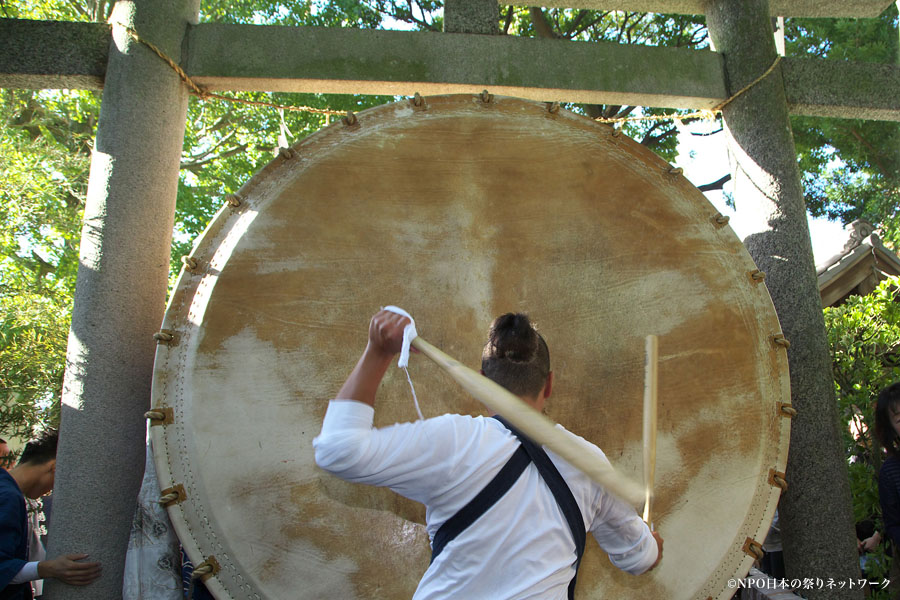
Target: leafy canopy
849, 166
864, 338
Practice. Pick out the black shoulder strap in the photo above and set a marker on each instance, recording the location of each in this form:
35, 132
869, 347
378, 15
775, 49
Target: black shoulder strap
527, 452
478, 505
561, 492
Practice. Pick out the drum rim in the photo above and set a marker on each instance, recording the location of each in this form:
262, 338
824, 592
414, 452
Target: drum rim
227, 222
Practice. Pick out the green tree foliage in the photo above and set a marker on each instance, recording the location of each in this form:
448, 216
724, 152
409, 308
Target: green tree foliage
225, 144
851, 167
45, 143
47, 139
864, 337
622, 27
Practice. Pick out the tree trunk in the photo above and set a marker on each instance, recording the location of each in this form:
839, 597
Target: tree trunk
815, 511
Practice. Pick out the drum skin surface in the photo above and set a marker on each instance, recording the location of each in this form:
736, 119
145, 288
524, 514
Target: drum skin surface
460, 210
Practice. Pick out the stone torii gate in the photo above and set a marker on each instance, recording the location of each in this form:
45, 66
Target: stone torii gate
128, 219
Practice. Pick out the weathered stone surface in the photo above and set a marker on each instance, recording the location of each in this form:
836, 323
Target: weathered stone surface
309, 59
120, 295
784, 8
53, 55
471, 16
840, 88
815, 510
394, 62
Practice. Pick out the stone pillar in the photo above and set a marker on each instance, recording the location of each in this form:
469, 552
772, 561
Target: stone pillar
471, 16
815, 513
120, 294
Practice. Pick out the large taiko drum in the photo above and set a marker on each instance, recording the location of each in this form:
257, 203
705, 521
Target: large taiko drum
460, 208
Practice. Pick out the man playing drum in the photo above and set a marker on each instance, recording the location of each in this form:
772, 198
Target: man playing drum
507, 519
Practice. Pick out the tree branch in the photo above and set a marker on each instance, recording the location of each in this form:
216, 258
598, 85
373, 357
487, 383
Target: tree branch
77, 7
574, 23
625, 112
630, 30
213, 148
649, 140
719, 130
585, 26
193, 166
542, 26
859, 137
718, 184
509, 15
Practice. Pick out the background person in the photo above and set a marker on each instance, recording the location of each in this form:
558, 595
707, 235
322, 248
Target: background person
4, 454
887, 431
32, 477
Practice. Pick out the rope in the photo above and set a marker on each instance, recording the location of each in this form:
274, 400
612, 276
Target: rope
190, 263
163, 336
206, 569
198, 573
699, 114
754, 549
721, 220
779, 339
205, 94
168, 498
788, 410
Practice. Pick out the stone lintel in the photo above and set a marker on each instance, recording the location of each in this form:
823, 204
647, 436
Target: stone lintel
838, 88
53, 54
779, 8
334, 60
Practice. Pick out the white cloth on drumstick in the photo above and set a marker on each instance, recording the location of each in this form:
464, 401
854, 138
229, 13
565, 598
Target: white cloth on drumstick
409, 334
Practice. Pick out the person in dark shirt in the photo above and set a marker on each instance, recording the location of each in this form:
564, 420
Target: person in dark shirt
887, 431
5, 457
33, 477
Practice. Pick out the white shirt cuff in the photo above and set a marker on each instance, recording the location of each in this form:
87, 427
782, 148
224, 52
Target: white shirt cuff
27, 573
347, 414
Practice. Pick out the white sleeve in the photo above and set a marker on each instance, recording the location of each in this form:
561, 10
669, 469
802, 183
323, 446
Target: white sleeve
410, 458
28, 572
624, 536
618, 529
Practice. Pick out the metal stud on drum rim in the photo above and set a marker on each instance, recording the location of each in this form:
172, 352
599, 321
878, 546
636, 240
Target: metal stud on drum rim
459, 209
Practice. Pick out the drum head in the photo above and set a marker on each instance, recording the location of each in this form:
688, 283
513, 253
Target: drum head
459, 210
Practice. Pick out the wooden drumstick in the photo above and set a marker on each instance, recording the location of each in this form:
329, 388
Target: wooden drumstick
533, 424
651, 346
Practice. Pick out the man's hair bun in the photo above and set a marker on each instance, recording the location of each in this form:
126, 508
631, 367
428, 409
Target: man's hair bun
512, 337
515, 355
